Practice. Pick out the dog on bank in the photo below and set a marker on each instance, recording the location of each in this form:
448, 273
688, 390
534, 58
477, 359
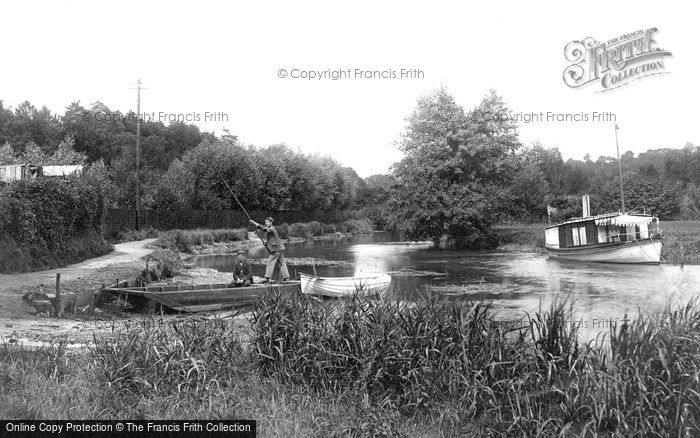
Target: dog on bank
51, 306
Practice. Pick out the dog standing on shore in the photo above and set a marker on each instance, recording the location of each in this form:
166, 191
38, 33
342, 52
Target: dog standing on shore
41, 302
49, 307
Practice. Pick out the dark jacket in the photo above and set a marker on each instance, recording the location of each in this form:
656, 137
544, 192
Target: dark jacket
242, 270
273, 241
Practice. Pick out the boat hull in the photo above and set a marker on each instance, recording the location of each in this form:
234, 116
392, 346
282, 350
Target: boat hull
196, 298
638, 251
344, 286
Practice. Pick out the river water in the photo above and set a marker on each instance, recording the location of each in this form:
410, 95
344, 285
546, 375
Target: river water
516, 283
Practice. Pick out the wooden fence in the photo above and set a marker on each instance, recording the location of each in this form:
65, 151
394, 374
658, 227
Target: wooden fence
116, 220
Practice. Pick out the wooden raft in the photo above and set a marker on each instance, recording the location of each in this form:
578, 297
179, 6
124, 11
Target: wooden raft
198, 297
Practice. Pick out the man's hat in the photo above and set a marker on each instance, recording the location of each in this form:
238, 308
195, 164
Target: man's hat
241, 252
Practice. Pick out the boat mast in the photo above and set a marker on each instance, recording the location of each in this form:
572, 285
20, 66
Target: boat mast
619, 166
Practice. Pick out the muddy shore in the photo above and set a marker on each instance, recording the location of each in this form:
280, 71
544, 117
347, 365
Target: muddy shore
20, 322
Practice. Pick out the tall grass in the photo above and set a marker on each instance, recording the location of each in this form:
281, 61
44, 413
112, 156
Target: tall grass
377, 368
681, 241
531, 235
160, 264
307, 230
186, 240
452, 363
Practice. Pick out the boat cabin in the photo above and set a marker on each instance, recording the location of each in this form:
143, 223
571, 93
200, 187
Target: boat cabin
596, 230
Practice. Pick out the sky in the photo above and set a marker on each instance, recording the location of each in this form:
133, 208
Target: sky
239, 65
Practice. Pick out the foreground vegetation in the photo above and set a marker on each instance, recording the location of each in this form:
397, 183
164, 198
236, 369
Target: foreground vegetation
369, 368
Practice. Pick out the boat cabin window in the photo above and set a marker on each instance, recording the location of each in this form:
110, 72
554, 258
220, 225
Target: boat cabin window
624, 233
578, 234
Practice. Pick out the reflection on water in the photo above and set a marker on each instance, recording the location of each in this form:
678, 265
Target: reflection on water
515, 282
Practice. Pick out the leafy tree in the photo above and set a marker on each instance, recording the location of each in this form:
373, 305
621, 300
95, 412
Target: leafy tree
648, 193
34, 155
690, 203
66, 155
525, 200
550, 164
7, 154
450, 180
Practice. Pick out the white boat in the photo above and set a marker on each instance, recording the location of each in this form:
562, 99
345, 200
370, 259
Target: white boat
606, 238
345, 286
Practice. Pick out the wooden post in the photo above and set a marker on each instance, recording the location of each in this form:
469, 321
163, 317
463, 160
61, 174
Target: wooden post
91, 309
59, 305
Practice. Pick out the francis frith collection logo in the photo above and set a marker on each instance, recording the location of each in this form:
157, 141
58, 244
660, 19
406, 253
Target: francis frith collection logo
614, 63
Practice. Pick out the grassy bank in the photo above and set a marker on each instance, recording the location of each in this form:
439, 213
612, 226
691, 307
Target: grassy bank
22, 256
526, 237
371, 368
681, 239
187, 240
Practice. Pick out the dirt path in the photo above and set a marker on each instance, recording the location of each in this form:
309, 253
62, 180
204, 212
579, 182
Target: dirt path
15, 319
123, 253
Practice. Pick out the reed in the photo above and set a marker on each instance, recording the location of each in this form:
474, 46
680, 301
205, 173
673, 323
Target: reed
364, 367
453, 364
186, 240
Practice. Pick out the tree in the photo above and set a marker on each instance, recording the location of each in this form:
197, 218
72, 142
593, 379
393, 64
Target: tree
550, 164
650, 193
450, 181
7, 154
66, 155
34, 155
525, 200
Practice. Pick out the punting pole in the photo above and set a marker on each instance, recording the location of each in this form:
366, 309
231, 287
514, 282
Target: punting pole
239, 202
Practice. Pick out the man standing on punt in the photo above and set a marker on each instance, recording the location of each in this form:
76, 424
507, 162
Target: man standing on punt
276, 247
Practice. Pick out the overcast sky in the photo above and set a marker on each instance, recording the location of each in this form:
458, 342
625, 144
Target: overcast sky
225, 57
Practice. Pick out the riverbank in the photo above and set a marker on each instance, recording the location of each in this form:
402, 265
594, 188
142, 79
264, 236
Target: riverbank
129, 261
681, 240
223, 241
19, 320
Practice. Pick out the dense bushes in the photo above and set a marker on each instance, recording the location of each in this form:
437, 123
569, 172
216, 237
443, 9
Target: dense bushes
305, 230
46, 223
160, 264
185, 240
132, 235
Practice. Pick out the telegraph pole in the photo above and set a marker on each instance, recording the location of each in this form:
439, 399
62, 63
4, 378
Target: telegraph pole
619, 166
138, 152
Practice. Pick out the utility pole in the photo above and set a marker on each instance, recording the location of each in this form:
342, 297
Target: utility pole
619, 166
138, 152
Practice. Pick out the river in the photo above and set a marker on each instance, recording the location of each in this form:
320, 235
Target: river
516, 283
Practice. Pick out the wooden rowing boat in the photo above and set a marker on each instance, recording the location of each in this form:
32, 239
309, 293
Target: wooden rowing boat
345, 286
196, 298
